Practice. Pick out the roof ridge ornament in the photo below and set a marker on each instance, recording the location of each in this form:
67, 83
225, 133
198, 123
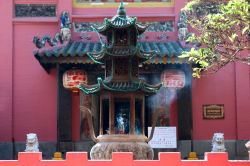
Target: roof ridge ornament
60, 38
121, 11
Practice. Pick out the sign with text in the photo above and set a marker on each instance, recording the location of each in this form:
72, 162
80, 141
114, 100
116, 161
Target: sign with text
215, 111
164, 137
173, 79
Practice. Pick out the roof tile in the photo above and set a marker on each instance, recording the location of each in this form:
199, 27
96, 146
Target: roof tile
78, 49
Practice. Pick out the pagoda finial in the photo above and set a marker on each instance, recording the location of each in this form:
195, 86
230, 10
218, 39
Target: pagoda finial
121, 11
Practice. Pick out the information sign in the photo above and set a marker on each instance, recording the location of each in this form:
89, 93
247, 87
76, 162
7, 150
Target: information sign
164, 137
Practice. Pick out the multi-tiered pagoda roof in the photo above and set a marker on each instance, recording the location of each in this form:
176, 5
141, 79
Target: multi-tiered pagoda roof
121, 55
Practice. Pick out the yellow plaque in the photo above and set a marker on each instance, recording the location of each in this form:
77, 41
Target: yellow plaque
214, 111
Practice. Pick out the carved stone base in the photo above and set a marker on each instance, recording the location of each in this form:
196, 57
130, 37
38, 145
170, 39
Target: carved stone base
103, 150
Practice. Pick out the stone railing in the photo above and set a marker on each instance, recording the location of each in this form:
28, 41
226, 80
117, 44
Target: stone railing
123, 159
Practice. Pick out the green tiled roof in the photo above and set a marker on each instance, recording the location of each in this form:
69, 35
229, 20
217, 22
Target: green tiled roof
125, 86
76, 52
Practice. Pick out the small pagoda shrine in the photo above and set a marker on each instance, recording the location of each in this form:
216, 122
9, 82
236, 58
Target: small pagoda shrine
122, 92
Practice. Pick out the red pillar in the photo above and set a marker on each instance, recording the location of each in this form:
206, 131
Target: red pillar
75, 117
173, 115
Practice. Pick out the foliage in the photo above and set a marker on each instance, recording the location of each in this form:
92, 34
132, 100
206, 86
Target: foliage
223, 33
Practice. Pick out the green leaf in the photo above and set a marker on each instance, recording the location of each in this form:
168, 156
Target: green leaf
184, 56
233, 37
245, 29
216, 31
203, 63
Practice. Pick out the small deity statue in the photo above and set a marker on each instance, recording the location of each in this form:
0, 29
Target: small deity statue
65, 20
65, 34
182, 27
182, 34
182, 23
65, 26
218, 143
32, 143
248, 146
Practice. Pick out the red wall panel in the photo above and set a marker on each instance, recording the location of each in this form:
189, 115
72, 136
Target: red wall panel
216, 88
35, 91
6, 59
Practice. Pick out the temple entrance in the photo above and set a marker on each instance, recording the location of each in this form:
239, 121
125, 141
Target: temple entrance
173, 105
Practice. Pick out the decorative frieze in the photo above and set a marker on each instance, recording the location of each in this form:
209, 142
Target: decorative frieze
35, 10
86, 26
163, 26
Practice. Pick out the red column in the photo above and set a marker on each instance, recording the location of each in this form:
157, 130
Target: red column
75, 117
173, 115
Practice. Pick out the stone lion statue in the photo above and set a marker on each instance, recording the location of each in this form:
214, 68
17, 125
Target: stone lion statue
182, 34
65, 34
218, 143
32, 143
248, 146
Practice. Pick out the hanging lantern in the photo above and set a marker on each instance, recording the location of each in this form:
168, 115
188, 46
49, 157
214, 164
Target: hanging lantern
173, 79
73, 78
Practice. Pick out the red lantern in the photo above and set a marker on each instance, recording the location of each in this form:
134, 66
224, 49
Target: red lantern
173, 79
73, 78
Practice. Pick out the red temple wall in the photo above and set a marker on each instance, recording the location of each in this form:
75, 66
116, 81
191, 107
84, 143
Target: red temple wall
35, 91
6, 71
230, 87
214, 89
28, 98
242, 80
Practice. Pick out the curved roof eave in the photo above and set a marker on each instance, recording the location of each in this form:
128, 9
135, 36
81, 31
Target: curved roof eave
90, 89
141, 28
